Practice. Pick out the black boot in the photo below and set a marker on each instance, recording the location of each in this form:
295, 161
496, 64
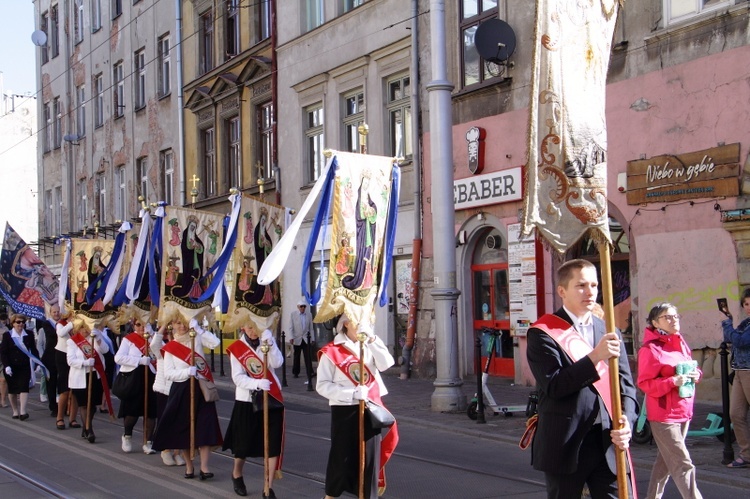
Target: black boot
239, 486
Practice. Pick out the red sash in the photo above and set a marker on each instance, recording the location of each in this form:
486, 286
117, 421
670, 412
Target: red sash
573, 344
140, 342
253, 365
89, 353
183, 353
348, 364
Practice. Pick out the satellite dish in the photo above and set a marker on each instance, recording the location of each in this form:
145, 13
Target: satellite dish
495, 41
39, 38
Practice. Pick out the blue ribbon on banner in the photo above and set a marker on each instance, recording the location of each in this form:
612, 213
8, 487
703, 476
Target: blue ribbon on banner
390, 233
321, 218
154, 260
223, 261
92, 293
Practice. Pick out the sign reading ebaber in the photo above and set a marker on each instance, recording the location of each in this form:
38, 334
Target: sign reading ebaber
702, 174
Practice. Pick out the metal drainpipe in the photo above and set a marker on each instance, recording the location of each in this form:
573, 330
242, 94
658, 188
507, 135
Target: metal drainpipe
416, 255
180, 98
69, 75
274, 101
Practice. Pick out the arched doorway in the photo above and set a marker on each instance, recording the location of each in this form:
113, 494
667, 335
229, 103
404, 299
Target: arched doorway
490, 299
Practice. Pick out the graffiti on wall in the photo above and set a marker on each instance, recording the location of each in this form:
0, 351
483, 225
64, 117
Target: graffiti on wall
693, 299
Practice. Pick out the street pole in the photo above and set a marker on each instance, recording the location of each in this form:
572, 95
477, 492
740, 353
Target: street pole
447, 395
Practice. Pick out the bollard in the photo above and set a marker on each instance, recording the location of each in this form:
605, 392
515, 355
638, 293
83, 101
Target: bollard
478, 367
212, 361
728, 456
283, 366
309, 371
221, 352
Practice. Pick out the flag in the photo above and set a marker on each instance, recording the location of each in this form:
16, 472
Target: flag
25, 281
566, 174
260, 227
191, 242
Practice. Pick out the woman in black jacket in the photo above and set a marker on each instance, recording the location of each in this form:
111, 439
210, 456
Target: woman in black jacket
17, 365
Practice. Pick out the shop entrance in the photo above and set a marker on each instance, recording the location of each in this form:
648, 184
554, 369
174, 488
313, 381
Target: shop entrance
490, 300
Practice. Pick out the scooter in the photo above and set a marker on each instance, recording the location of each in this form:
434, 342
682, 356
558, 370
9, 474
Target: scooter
489, 401
715, 427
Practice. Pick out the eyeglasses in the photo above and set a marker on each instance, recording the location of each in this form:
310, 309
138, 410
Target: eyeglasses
138, 324
19, 322
670, 318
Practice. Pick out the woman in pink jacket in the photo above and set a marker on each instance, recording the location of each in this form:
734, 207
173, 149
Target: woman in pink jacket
667, 375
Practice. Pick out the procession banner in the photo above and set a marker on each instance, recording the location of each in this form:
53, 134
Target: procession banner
191, 241
261, 226
88, 260
566, 174
25, 281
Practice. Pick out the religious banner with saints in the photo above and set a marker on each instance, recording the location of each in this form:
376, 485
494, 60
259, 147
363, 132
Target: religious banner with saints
259, 228
25, 281
566, 174
88, 258
191, 242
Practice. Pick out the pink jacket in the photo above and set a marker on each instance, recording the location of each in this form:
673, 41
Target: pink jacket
657, 359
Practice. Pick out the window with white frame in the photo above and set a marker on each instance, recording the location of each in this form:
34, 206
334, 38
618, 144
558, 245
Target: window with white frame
263, 15
44, 26
474, 69
116, 8
118, 95
83, 205
139, 69
120, 189
234, 152
98, 101
208, 143
206, 48
166, 166
141, 174
164, 61
399, 116
49, 225
101, 198
681, 10
312, 14
232, 29
354, 115
78, 25
265, 122
96, 15
81, 110
347, 5
57, 209
57, 116
315, 140
47, 127
54, 32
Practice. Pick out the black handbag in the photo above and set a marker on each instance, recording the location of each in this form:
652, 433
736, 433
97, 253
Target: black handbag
124, 384
379, 416
273, 404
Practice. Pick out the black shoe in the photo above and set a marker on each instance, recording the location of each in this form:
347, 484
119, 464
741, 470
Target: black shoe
206, 476
239, 486
270, 495
91, 437
189, 475
15, 416
23, 417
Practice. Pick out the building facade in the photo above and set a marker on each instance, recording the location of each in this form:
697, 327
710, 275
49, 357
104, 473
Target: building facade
677, 99
342, 64
109, 112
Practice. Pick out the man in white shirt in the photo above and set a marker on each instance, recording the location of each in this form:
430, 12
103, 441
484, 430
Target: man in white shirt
301, 326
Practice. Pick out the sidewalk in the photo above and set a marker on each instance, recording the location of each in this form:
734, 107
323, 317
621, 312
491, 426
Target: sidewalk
409, 401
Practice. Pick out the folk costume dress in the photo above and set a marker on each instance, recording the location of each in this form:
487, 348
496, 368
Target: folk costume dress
63, 329
244, 435
12, 356
335, 361
173, 428
78, 376
132, 349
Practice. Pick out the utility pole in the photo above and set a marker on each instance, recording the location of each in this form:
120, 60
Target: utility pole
447, 395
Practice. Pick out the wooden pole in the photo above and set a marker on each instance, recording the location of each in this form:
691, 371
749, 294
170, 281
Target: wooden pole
145, 391
614, 366
266, 472
362, 451
192, 396
87, 425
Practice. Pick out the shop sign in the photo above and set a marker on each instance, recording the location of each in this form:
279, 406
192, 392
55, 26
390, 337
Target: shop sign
492, 188
475, 148
702, 174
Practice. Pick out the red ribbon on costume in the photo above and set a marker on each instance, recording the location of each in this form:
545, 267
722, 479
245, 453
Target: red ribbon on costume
577, 348
252, 363
90, 353
140, 342
183, 353
346, 361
